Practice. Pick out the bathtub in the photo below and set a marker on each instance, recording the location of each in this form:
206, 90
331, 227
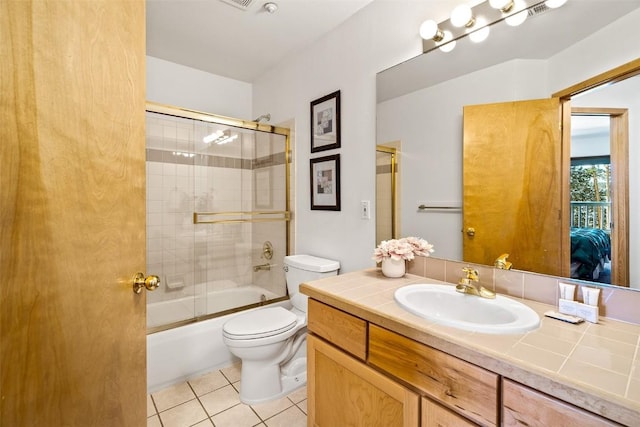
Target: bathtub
175, 310
187, 351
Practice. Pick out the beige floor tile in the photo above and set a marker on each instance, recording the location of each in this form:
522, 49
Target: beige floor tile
208, 382
186, 414
303, 406
153, 421
172, 396
220, 400
205, 423
269, 409
151, 408
292, 417
298, 395
238, 416
232, 372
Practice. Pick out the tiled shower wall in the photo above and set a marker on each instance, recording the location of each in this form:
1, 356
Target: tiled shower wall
186, 175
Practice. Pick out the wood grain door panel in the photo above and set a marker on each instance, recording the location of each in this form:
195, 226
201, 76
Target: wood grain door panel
73, 348
512, 194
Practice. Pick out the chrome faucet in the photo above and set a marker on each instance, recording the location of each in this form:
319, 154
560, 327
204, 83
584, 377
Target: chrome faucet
465, 286
266, 267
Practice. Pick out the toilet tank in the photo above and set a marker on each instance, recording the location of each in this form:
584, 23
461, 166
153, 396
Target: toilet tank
305, 268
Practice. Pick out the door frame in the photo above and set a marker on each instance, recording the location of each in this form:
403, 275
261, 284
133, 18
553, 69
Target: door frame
619, 152
619, 126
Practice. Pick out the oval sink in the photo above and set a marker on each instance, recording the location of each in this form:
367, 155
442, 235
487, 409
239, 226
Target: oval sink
443, 305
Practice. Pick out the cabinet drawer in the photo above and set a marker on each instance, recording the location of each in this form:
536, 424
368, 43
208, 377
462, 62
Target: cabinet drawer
466, 388
339, 328
522, 406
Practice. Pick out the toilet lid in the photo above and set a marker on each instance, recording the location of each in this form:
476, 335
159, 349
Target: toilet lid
260, 323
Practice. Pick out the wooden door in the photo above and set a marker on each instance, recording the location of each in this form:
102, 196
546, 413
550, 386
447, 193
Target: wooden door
512, 195
73, 349
345, 392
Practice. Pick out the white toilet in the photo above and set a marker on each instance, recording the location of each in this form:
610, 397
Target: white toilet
271, 342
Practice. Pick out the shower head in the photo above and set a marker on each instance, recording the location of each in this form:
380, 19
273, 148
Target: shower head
266, 117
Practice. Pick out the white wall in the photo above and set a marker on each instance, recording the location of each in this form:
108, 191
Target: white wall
181, 86
377, 37
428, 122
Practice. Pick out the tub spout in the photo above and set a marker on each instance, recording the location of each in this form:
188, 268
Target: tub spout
266, 267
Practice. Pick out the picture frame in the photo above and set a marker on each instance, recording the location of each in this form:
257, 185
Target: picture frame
325, 123
325, 183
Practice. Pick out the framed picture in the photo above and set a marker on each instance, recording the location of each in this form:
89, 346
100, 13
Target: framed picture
325, 183
325, 123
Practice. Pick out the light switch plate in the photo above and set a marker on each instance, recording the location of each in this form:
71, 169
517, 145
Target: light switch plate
365, 209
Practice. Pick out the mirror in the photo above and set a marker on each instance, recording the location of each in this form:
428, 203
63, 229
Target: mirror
420, 104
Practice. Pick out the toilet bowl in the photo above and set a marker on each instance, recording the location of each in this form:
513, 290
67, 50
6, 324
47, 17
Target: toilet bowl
271, 342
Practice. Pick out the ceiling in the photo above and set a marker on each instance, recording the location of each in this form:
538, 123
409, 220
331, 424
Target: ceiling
223, 38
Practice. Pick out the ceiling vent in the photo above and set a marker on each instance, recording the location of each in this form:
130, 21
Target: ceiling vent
240, 4
538, 9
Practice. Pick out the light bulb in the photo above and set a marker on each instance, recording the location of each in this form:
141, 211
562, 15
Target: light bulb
481, 34
518, 17
462, 16
447, 44
554, 3
503, 5
429, 31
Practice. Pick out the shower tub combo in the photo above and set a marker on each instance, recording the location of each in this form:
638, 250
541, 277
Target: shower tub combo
217, 233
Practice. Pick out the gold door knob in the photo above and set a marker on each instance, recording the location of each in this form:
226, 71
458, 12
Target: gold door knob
149, 282
471, 231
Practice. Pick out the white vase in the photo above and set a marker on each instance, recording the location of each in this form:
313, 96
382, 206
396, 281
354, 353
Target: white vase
393, 267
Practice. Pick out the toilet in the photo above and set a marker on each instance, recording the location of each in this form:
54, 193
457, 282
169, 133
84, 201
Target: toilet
271, 341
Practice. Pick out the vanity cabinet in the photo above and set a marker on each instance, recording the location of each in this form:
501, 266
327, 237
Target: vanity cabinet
353, 369
521, 407
361, 374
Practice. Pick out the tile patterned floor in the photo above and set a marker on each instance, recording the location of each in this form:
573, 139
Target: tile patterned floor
212, 400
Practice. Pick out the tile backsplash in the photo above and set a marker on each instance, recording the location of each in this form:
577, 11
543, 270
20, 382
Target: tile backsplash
615, 302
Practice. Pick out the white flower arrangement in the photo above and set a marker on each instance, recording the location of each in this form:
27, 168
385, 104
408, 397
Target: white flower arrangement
406, 249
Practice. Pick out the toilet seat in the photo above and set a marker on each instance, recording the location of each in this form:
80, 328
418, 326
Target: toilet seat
261, 323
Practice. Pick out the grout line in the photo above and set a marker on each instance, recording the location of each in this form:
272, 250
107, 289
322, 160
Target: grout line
201, 405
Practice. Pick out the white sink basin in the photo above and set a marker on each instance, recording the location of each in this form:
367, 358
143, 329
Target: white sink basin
443, 305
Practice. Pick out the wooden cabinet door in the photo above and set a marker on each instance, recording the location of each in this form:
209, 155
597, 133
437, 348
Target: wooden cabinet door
512, 184
343, 391
522, 406
72, 213
434, 415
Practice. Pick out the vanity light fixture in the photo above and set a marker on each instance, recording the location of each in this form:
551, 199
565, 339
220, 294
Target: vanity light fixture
462, 16
482, 33
447, 44
476, 21
429, 30
518, 18
503, 6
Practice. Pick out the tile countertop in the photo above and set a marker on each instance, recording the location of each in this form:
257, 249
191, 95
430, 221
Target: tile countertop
593, 366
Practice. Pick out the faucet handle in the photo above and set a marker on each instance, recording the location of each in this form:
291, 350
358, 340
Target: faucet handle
472, 273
